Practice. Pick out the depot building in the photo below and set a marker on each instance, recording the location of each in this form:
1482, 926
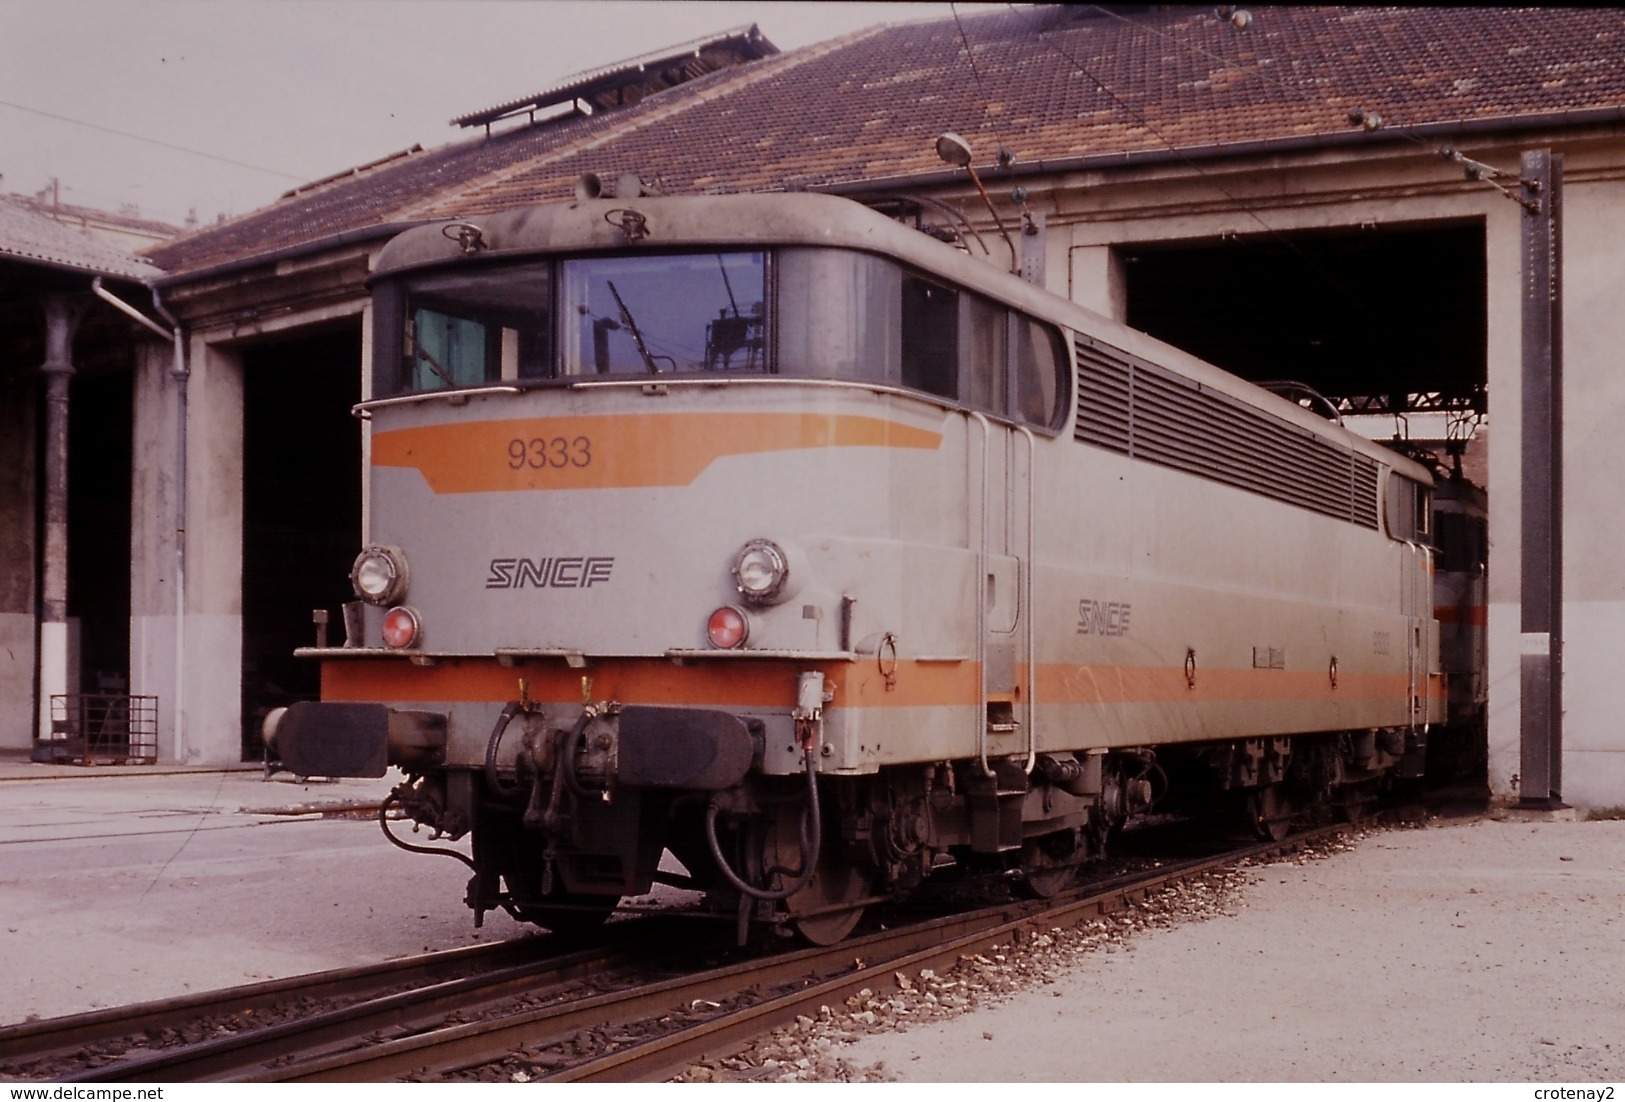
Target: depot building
1349, 199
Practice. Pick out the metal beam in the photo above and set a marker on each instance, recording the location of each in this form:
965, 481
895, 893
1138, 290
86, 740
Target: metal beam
1540, 778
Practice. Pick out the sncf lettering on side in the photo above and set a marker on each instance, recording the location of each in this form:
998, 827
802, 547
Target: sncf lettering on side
563, 572
1103, 617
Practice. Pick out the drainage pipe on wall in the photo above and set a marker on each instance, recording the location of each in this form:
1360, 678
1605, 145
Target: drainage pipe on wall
181, 375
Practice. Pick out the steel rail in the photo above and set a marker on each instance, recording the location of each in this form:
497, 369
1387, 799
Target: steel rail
240, 1053
50, 1036
662, 1058
776, 988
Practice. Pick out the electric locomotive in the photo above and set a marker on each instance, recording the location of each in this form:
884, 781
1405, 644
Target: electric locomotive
773, 534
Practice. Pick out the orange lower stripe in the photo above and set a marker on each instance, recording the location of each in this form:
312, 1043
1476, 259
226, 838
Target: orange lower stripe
1159, 685
771, 683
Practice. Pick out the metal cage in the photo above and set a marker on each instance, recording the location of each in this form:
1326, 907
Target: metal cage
101, 729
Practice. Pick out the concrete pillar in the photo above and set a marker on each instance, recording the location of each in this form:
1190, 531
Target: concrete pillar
1503, 241
1097, 281
62, 314
153, 490
18, 549
199, 699
213, 646
1594, 582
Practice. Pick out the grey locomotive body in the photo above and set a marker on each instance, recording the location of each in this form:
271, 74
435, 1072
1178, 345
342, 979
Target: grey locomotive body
769, 532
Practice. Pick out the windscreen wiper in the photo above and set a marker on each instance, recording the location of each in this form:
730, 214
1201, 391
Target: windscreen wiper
637, 335
434, 365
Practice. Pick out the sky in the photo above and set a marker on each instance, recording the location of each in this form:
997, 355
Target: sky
175, 107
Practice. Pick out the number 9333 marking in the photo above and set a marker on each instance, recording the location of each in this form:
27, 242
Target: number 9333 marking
541, 452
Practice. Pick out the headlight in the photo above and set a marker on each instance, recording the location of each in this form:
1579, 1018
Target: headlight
379, 575
760, 571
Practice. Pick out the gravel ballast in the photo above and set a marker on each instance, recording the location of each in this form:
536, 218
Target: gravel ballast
1477, 950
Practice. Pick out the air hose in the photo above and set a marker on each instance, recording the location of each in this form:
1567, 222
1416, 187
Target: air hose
383, 821
493, 779
811, 834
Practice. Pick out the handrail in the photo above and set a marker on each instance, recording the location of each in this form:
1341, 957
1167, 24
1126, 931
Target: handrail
1420, 612
979, 645
1024, 585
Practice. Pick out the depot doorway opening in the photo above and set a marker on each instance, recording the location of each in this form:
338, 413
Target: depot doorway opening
1393, 316
99, 449
301, 511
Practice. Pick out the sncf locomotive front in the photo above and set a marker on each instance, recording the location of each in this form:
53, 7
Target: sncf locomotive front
652, 493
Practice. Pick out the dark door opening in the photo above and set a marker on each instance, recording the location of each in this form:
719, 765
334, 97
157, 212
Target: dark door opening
100, 438
1381, 315
301, 510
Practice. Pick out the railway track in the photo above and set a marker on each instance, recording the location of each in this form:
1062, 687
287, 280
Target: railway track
604, 1014
83, 1046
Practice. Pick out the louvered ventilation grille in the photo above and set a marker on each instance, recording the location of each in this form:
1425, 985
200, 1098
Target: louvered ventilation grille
1149, 413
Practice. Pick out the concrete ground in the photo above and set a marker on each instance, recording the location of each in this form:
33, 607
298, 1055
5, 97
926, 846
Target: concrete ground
1465, 950
126, 883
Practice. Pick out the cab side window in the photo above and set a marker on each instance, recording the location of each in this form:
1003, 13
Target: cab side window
1010, 364
1037, 360
1408, 506
930, 337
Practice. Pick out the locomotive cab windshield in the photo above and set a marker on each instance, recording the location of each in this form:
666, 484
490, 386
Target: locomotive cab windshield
793, 312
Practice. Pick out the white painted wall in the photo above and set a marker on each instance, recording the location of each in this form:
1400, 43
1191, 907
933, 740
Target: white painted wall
1594, 489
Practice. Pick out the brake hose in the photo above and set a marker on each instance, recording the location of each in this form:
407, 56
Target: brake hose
383, 821
493, 780
811, 835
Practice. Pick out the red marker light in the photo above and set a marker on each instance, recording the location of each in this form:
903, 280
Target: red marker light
402, 627
727, 628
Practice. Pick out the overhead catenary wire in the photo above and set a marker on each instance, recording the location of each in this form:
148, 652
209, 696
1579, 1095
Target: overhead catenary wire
976, 75
152, 141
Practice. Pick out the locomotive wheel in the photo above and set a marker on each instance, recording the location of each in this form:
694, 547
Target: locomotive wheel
828, 908
836, 884
1049, 865
1354, 801
1269, 812
561, 911
569, 912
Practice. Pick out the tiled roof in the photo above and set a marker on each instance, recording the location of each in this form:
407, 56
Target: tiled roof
71, 214
27, 234
1053, 84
